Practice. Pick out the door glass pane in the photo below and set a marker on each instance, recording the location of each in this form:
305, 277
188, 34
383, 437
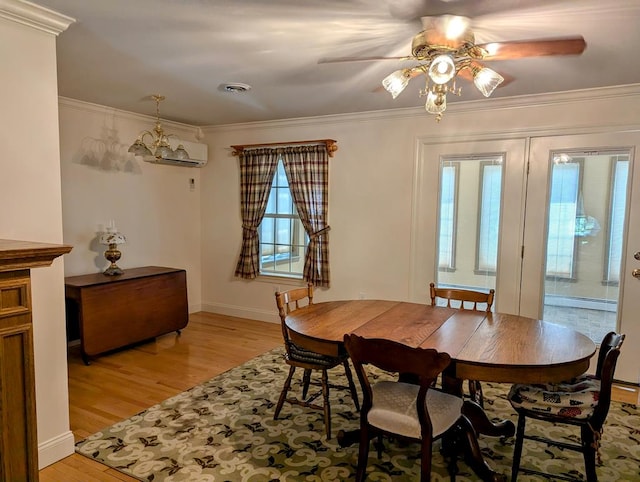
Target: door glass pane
616, 218
586, 211
448, 195
489, 216
469, 221
563, 210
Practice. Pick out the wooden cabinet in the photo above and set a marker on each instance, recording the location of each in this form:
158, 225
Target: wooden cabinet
18, 431
116, 311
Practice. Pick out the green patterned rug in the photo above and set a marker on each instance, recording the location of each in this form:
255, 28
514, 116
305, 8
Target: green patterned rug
223, 430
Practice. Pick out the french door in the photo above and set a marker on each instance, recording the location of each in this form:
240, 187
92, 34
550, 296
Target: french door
545, 221
581, 235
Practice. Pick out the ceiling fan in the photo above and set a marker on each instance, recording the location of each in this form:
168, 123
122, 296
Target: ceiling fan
446, 49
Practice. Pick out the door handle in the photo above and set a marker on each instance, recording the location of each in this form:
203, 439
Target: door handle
636, 273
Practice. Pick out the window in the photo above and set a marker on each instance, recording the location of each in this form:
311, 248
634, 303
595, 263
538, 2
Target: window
448, 215
489, 216
617, 208
282, 236
563, 210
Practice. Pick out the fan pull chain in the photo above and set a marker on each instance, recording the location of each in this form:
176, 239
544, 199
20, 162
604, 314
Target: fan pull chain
597, 436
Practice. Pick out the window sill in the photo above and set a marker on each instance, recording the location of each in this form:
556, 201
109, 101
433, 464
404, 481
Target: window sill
292, 280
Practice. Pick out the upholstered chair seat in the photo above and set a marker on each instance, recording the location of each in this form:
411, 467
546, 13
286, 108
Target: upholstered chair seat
576, 398
394, 409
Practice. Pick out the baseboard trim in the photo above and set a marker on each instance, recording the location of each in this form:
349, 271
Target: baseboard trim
55, 449
241, 312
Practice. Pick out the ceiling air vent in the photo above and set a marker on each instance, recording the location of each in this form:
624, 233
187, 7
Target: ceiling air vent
235, 87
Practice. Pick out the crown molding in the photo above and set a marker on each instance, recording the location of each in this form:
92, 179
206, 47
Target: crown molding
555, 98
122, 114
492, 104
35, 16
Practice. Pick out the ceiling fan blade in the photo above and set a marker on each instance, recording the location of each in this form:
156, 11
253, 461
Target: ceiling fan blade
333, 60
534, 48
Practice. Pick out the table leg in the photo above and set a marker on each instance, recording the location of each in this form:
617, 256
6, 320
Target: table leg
85, 358
476, 421
346, 439
481, 423
475, 413
472, 455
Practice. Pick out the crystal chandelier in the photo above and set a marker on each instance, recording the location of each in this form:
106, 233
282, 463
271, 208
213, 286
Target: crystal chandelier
158, 145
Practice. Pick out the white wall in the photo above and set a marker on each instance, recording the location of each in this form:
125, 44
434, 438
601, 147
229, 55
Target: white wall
371, 187
30, 199
153, 205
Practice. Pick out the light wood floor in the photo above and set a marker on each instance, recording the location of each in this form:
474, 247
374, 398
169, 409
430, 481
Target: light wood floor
119, 385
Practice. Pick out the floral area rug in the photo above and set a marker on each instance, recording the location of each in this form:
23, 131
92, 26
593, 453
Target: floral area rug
223, 430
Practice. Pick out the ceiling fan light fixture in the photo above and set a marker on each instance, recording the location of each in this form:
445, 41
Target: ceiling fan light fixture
455, 26
442, 69
486, 80
396, 82
436, 103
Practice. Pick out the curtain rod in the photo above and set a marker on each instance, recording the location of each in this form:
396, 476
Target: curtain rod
330, 143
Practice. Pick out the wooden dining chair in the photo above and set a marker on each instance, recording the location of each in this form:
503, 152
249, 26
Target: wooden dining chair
465, 300
583, 402
410, 411
299, 357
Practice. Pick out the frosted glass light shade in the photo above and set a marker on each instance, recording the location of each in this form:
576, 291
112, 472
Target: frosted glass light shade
486, 80
139, 149
180, 153
442, 69
436, 103
163, 152
396, 82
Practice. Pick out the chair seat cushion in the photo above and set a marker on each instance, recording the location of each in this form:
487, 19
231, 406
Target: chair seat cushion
299, 354
394, 409
576, 398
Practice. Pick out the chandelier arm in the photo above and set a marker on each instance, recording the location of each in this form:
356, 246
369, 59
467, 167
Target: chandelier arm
143, 134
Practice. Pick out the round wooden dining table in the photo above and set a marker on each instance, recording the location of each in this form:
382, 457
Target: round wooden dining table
492, 347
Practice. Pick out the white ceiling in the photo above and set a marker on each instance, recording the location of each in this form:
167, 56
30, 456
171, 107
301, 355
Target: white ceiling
120, 51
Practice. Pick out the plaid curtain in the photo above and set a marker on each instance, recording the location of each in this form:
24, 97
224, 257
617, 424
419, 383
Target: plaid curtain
307, 170
257, 168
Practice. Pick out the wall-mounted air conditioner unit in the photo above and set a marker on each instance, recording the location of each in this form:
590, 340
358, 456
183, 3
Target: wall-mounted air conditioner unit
176, 162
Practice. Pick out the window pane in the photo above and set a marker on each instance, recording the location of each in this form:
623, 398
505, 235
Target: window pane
283, 239
447, 217
563, 208
283, 231
491, 190
616, 229
267, 230
584, 295
466, 192
271, 203
280, 179
285, 202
